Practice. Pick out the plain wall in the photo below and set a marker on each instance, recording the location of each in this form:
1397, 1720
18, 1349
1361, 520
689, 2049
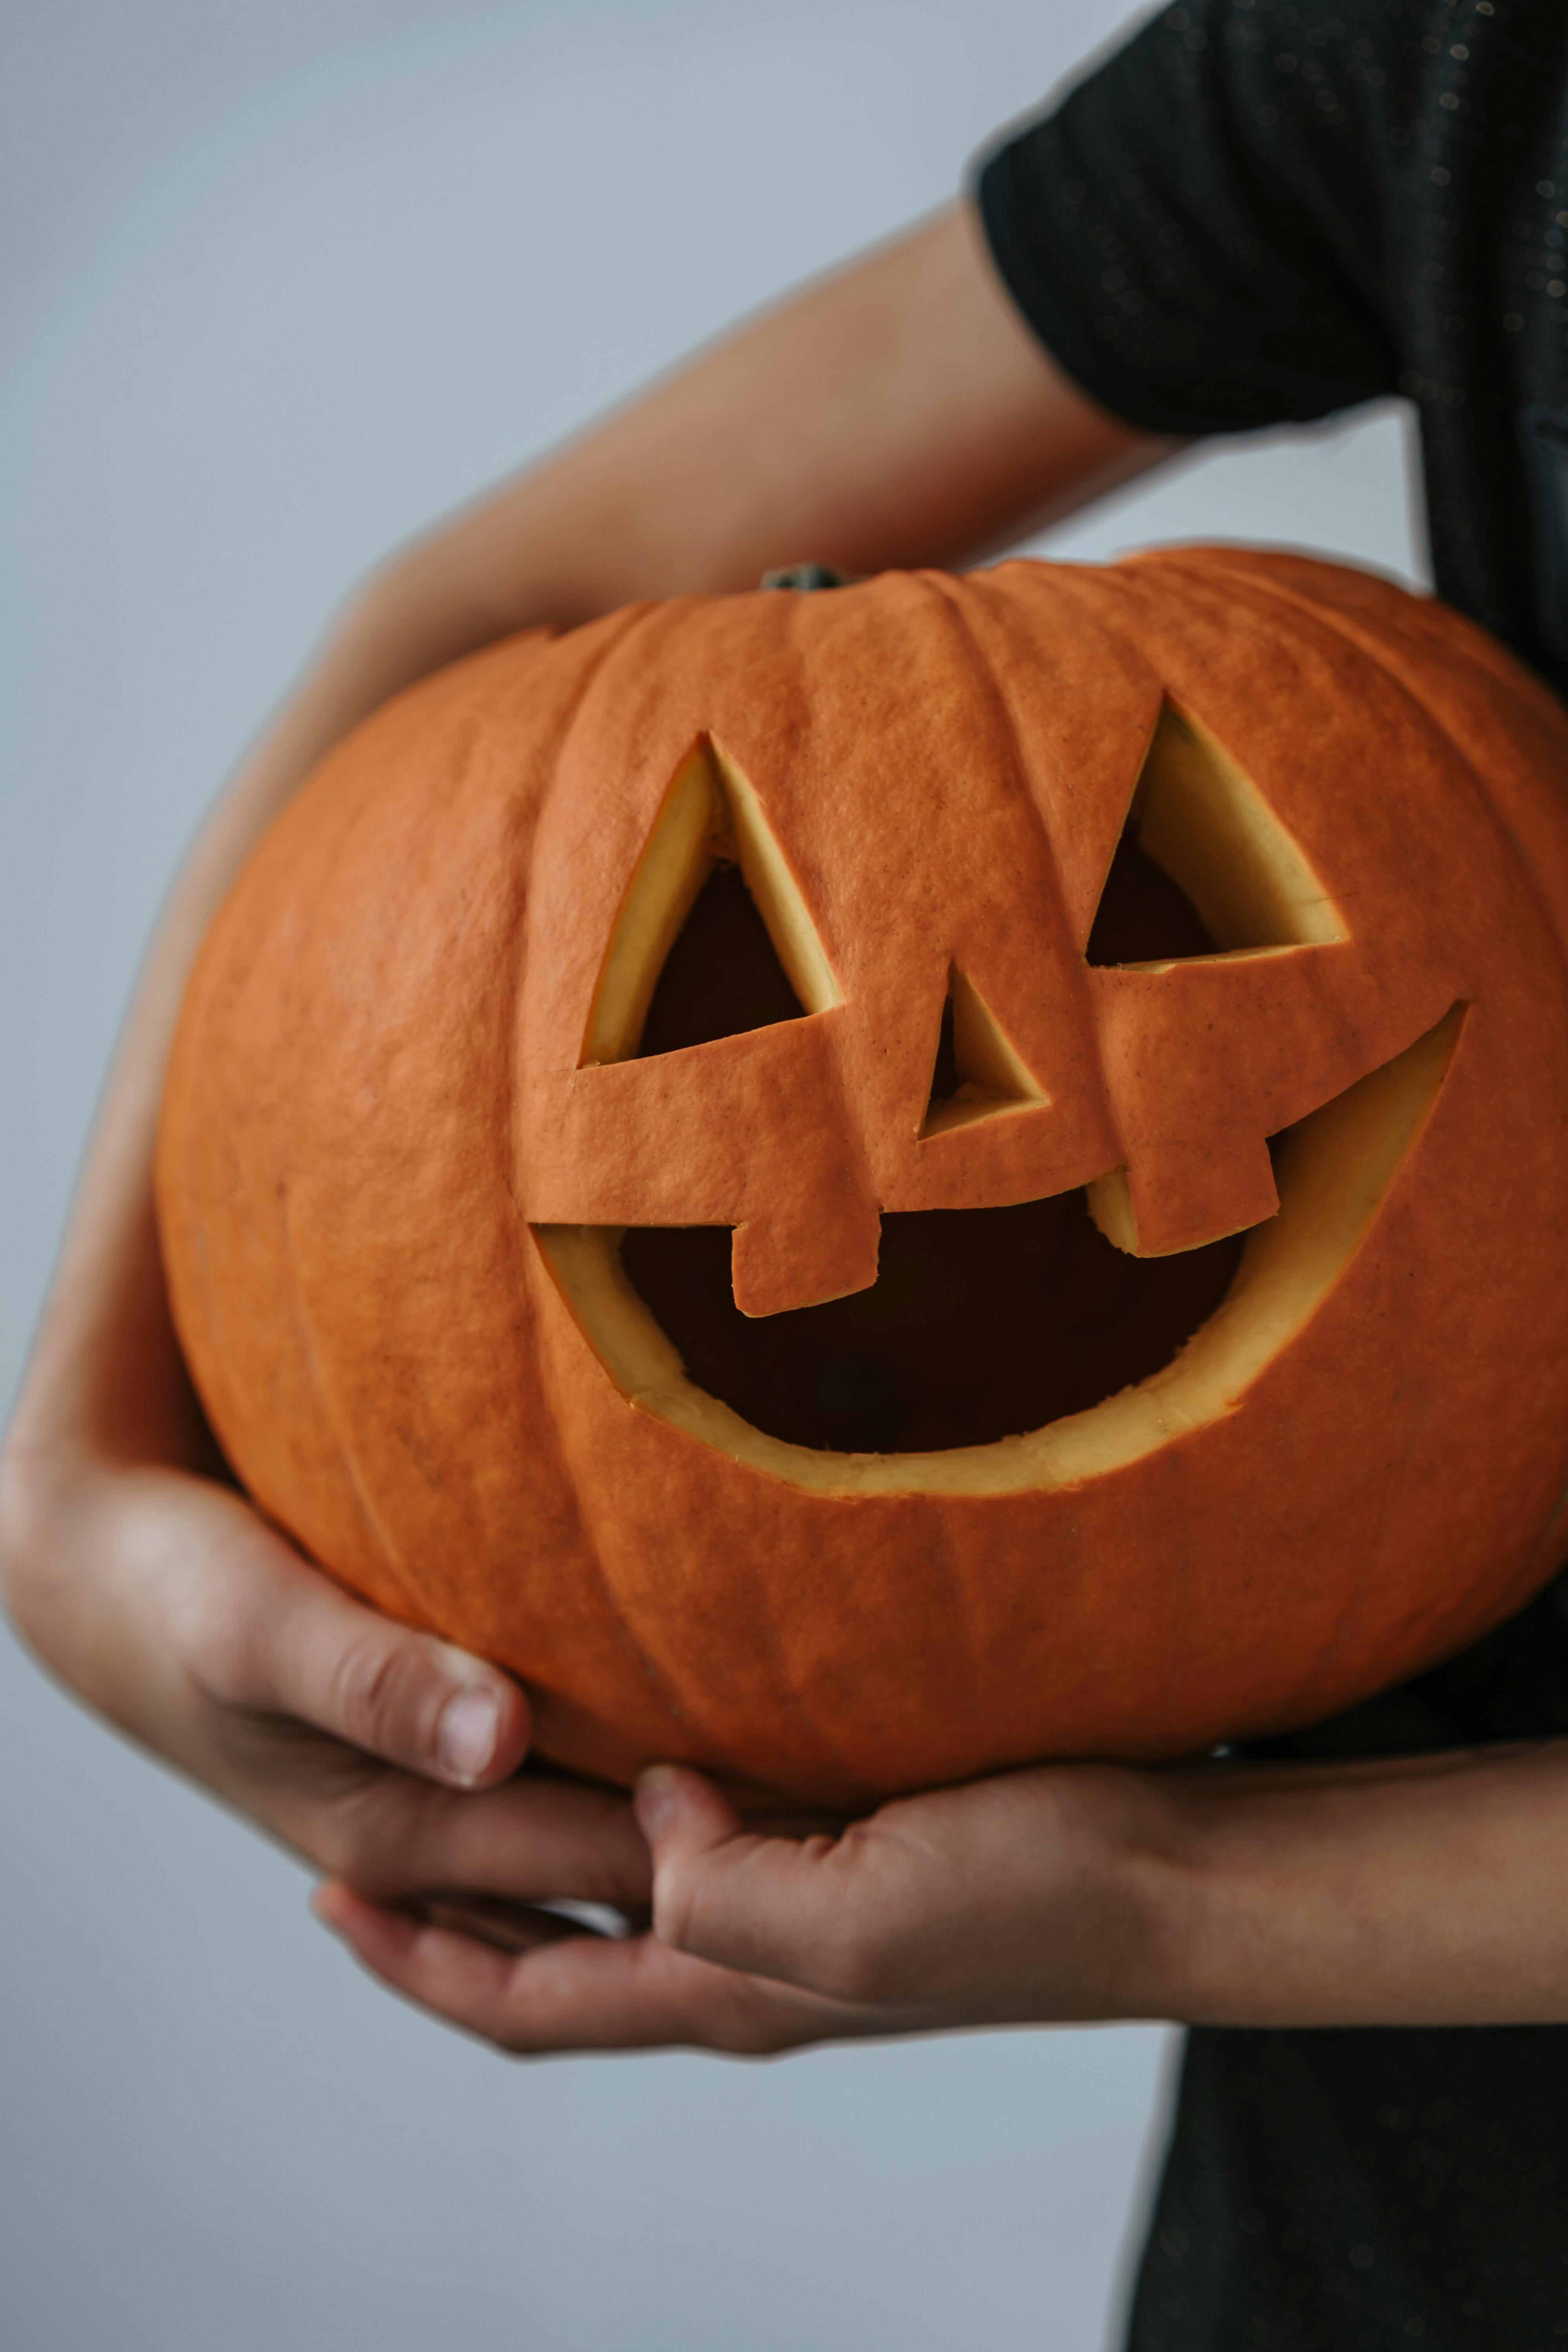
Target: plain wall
282, 278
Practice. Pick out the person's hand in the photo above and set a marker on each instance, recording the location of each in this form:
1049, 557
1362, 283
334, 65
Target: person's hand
1415, 1890
369, 1750
907, 414
1036, 1896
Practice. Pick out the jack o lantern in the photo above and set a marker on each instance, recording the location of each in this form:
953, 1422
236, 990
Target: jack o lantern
868, 1187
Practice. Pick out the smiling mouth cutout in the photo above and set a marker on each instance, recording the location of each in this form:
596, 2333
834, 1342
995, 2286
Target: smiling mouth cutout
1000, 1350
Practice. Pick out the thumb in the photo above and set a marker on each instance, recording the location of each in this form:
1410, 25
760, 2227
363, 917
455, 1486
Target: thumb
281, 1639
767, 1906
827, 1913
690, 1828
681, 1814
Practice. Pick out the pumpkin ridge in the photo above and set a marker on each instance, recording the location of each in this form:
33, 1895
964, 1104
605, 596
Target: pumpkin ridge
549, 754
1091, 613
956, 594
1344, 1472
186, 1056
1338, 623
391, 1559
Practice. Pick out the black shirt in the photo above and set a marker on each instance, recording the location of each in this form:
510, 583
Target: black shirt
1257, 214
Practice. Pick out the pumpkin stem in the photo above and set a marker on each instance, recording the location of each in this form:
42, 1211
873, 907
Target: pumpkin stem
807, 576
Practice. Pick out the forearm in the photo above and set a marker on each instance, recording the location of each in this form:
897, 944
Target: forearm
1432, 1891
897, 412
105, 1368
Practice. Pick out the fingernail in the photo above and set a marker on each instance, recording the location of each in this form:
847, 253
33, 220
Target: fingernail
655, 1802
467, 1734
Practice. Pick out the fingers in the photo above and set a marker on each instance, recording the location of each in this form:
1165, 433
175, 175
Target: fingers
830, 1915
1035, 1894
278, 1638
573, 1991
537, 1839
518, 1928
292, 1698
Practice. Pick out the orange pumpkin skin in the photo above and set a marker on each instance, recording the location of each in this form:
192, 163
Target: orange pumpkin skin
381, 1117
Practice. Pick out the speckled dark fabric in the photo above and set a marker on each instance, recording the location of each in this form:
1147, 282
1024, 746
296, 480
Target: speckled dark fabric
1257, 214
1359, 2192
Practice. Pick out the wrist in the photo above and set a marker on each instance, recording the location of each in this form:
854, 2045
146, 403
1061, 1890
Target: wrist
1155, 1897
1254, 1908
1413, 1891
1185, 1903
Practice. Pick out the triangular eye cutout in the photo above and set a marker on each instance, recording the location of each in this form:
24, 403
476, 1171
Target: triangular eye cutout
722, 976
1143, 916
977, 1073
713, 936
1204, 866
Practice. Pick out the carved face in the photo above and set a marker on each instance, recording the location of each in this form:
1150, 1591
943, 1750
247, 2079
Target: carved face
1199, 1039
986, 1196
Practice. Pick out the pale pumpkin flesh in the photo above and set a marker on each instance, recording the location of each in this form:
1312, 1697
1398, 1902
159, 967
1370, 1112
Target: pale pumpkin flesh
1339, 1164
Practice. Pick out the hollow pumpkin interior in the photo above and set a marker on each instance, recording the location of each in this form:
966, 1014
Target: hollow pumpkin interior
1024, 1344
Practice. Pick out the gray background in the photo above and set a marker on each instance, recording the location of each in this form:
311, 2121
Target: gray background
283, 277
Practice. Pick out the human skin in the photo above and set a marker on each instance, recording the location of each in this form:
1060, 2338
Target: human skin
1427, 1892
898, 413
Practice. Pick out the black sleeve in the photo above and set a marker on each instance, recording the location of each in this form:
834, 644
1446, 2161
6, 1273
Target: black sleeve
1195, 232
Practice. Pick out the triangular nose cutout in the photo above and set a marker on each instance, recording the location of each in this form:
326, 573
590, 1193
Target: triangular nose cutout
713, 936
1204, 866
977, 1072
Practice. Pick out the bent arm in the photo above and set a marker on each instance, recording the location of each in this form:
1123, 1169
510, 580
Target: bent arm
1425, 1893
898, 412
894, 412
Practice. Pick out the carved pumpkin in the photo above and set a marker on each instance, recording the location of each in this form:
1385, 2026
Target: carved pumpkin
1164, 965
